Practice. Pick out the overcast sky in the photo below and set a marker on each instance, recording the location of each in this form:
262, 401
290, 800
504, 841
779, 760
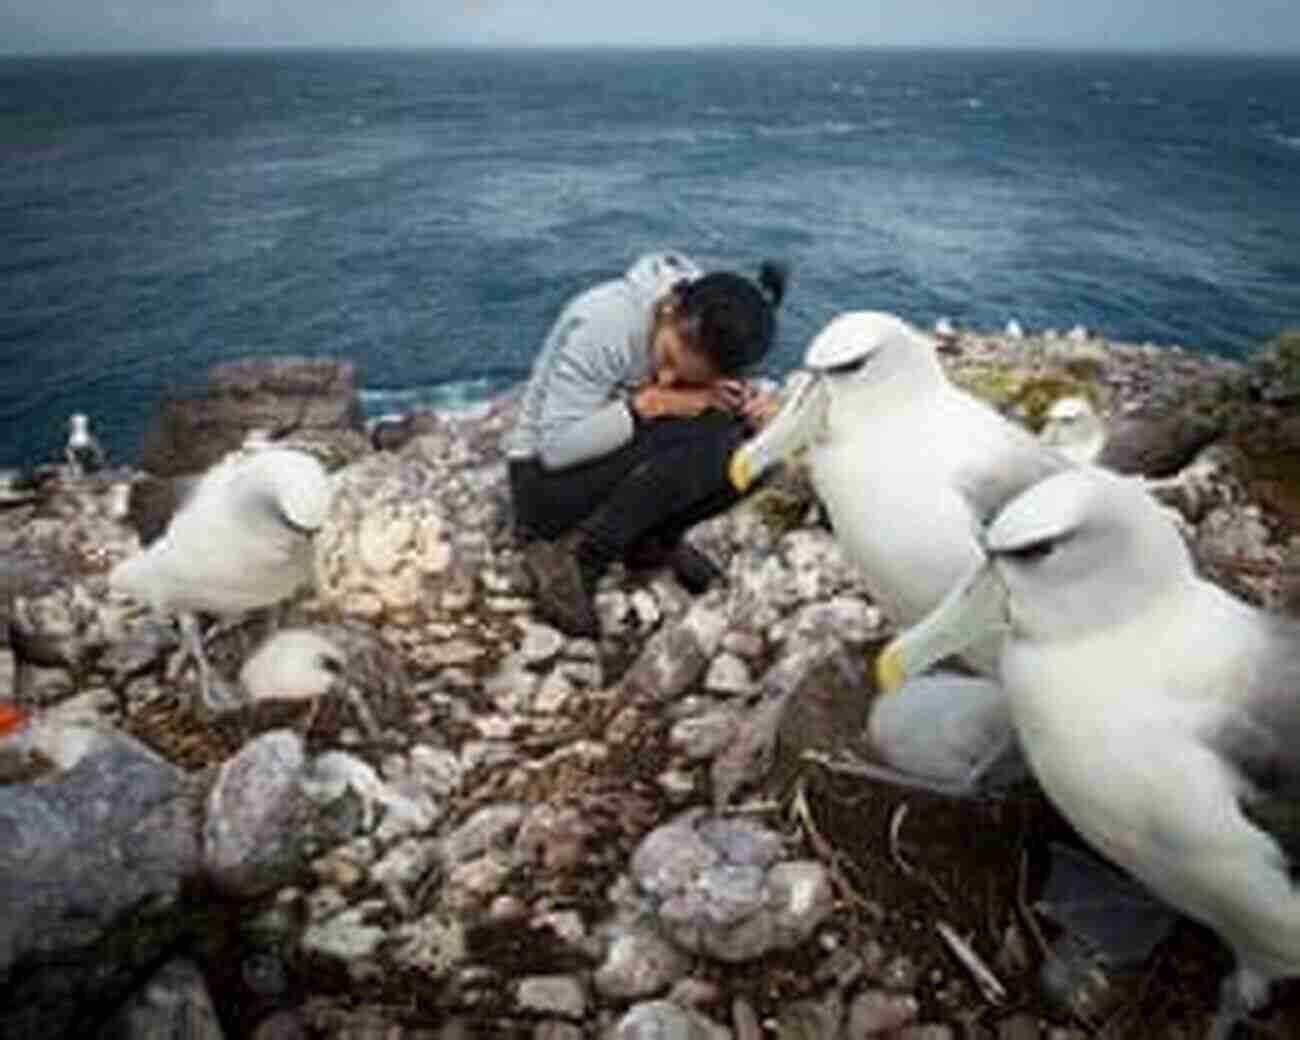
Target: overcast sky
79, 25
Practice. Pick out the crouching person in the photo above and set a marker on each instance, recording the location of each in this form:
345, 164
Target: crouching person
628, 422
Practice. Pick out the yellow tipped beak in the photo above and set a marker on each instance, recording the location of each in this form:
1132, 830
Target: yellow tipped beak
739, 471
973, 610
890, 673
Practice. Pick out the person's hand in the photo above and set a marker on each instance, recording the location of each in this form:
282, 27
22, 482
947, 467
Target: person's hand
758, 407
671, 402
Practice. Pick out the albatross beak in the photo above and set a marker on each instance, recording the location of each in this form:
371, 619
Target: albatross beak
974, 610
801, 417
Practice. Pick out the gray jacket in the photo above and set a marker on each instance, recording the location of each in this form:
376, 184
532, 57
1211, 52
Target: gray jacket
575, 405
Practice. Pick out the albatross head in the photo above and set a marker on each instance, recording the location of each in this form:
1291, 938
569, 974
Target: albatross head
298, 484
1081, 551
861, 360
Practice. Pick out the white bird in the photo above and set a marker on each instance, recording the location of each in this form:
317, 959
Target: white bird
298, 664
945, 331
242, 540
1014, 330
82, 451
907, 466
1074, 429
1160, 714
1078, 334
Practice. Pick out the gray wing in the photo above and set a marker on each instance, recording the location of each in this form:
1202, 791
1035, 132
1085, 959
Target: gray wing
1262, 740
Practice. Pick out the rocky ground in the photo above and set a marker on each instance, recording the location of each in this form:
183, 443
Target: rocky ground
513, 834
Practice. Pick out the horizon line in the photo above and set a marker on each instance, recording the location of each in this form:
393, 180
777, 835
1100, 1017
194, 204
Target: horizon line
176, 50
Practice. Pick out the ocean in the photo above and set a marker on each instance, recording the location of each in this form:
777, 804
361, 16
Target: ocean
425, 213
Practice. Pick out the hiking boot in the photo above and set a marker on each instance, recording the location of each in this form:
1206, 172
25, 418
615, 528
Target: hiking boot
692, 568
695, 571
563, 588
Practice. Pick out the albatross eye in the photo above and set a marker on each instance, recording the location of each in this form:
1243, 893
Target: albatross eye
847, 368
1031, 552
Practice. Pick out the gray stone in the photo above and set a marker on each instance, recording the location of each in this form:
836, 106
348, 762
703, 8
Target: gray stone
875, 1012
92, 859
700, 737
639, 963
173, 1004
557, 1031
258, 818
561, 995
346, 936
493, 825
660, 1020
676, 656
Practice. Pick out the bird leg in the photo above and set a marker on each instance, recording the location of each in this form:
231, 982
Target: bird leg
213, 694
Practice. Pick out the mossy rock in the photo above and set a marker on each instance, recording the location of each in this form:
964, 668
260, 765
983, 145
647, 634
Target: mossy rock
780, 508
1026, 394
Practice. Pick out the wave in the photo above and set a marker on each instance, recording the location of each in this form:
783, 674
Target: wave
459, 397
829, 128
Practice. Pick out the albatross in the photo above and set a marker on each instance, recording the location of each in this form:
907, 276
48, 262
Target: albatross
1159, 713
240, 541
907, 466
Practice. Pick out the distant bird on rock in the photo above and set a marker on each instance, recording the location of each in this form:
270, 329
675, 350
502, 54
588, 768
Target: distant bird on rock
82, 451
1014, 330
1074, 428
945, 332
241, 540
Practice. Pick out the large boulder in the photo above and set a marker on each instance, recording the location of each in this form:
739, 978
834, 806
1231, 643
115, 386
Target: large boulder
313, 397
93, 857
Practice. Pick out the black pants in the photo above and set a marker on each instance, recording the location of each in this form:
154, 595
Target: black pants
670, 476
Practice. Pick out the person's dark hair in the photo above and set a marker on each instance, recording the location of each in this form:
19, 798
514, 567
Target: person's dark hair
731, 319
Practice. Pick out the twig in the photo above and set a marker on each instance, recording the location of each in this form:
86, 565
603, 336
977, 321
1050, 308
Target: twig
895, 852
993, 990
895, 826
823, 848
1026, 912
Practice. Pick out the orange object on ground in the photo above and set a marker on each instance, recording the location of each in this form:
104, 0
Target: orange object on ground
10, 719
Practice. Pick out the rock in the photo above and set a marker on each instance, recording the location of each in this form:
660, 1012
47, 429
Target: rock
557, 1031
561, 995
432, 944
701, 737
346, 936
385, 551
491, 826
553, 837
728, 675
258, 817
312, 397
875, 1012
676, 655
1158, 446
174, 1004
92, 862
282, 1025
658, 1019
639, 963
348, 794
719, 892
